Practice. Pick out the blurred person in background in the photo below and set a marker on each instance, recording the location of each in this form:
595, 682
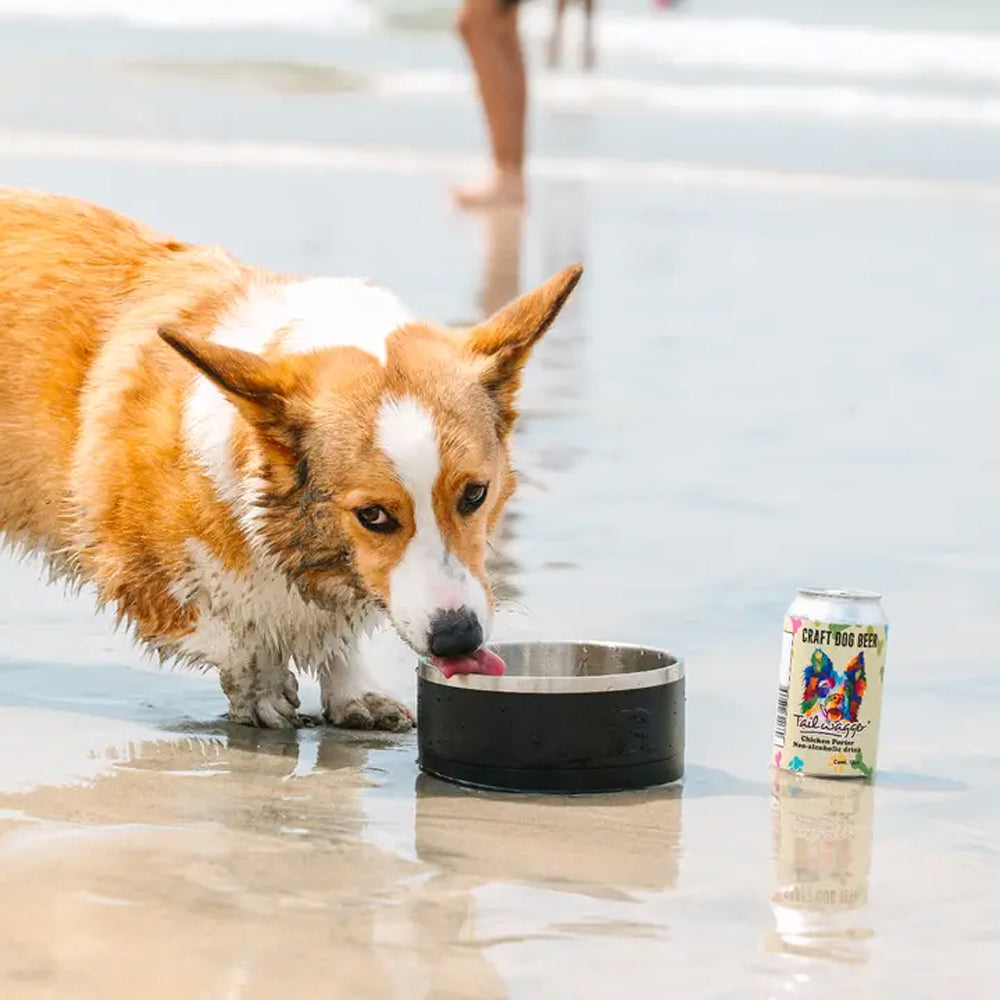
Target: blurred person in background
489, 31
555, 39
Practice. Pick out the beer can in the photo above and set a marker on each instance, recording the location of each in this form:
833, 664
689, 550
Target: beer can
830, 683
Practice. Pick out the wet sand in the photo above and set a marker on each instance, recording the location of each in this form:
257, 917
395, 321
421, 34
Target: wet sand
778, 370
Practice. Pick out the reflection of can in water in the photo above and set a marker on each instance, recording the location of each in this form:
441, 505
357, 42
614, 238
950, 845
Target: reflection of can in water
830, 683
822, 850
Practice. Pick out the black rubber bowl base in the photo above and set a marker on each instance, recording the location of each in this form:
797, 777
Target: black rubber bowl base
535, 742
557, 780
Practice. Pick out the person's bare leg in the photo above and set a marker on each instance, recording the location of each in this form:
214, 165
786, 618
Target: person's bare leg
555, 39
489, 30
589, 53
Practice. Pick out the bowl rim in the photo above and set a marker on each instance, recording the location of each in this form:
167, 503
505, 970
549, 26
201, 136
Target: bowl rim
511, 684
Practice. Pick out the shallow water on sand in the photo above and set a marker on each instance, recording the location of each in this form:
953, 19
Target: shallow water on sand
777, 370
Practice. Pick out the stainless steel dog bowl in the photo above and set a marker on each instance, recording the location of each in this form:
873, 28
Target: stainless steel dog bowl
564, 717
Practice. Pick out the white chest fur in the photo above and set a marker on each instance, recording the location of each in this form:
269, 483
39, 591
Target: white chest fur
243, 614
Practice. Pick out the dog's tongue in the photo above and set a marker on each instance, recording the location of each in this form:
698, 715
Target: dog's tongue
482, 661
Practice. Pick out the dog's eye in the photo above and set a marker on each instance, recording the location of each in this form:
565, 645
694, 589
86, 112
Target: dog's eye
377, 519
472, 498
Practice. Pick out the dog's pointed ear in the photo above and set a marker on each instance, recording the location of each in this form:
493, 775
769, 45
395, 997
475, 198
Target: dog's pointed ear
260, 389
503, 342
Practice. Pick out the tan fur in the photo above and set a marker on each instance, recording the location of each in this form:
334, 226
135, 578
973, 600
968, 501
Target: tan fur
102, 323
82, 292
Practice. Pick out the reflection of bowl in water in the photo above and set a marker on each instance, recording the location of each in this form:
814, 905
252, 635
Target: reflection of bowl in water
564, 717
598, 846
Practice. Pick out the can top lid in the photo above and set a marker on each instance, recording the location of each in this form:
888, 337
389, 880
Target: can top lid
840, 594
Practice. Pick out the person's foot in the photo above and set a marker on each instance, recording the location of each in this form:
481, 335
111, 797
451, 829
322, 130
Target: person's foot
503, 188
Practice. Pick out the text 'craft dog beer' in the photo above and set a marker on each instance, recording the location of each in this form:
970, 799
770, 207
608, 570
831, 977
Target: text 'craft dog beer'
830, 683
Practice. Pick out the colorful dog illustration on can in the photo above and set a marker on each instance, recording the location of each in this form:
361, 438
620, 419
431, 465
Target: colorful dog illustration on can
837, 696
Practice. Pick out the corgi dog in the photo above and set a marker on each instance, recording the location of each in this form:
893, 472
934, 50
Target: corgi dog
253, 468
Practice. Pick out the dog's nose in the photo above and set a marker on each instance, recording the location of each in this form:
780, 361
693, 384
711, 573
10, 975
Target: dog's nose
454, 634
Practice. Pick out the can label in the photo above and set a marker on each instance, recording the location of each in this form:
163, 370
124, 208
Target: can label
829, 697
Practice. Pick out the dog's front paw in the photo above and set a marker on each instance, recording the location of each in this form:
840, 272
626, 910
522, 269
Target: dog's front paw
370, 711
277, 709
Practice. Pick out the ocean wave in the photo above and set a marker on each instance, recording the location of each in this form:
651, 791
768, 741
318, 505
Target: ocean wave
681, 41
590, 93
763, 44
340, 16
403, 161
